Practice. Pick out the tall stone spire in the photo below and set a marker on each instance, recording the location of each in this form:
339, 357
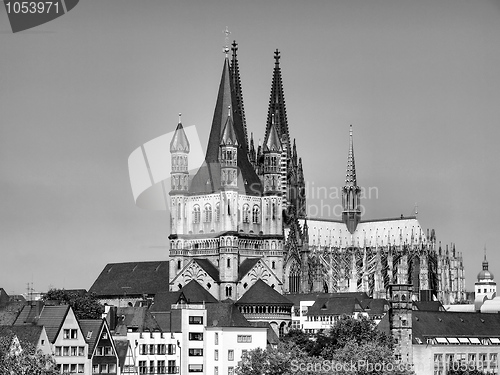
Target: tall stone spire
207, 178
235, 76
277, 105
351, 214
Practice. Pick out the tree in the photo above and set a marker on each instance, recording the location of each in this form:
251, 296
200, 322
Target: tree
84, 305
286, 359
26, 361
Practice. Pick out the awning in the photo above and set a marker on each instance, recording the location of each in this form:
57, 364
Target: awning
441, 340
453, 340
463, 340
474, 340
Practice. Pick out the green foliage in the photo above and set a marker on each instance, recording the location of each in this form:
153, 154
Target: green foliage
27, 361
85, 306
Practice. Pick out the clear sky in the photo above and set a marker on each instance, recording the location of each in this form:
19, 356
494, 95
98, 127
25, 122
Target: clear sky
418, 80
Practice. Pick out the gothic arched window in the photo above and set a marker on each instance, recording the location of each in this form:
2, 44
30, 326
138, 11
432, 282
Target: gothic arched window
256, 215
208, 213
246, 213
217, 212
196, 214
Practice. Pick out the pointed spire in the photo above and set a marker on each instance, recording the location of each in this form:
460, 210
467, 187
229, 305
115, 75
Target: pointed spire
272, 142
350, 179
294, 153
229, 135
236, 81
485, 261
277, 105
179, 141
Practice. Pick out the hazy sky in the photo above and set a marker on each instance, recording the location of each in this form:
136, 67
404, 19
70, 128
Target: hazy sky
418, 80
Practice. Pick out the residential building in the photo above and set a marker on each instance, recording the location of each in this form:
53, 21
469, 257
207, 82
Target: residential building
101, 347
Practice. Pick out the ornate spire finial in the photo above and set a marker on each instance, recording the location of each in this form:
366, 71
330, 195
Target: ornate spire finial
351, 169
226, 45
228, 111
485, 252
180, 117
277, 56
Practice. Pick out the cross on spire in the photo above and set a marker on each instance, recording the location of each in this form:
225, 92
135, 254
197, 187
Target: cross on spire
226, 45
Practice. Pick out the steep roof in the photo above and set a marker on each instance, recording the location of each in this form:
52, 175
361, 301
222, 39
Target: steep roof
164, 300
225, 315
246, 266
428, 324
335, 306
261, 293
4, 298
207, 179
26, 334
52, 318
272, 142
138, 318
428, 306
91, 329
195, 293
132, 278
208, 267
122, 350
272, 337
179, 141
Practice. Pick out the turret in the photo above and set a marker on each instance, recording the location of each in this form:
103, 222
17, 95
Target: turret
272, 159
229, 155
179, 150
351, 214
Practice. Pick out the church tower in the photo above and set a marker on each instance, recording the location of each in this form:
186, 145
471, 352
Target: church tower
400, 321
351, 214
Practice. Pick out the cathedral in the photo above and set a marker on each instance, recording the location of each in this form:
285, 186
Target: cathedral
242, 217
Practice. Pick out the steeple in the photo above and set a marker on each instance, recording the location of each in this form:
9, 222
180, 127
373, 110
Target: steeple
228, 134
272, 161
351, 215
179, 150
236, 81
277, 105
207, 178
179, 142
272, 142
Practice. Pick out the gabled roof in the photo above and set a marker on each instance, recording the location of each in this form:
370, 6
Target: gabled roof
29, 313
91, 329
52, 318
246, 266
164, 320
225, 315
335, 306
207, 179
454, 324
195, 293
376, 306
261, 293
132, 278
26, 334
208, 267
164, 301
4, 298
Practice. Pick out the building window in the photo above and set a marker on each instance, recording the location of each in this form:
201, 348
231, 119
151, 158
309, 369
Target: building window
195, 320
58, 351
161, 349
195, 336
246, 214
216, 355
161, 367
143, 349
73, 351
171, 349
66, 334
244, 338
66, 351
172, 369
230, 355
104, 368
228, 263
151, 367
196, 214
74, 333
216, 370
81, 351
208, 213
216, 338
229, 291
81, 368
195, 352
195, 368
230, 371
217, 212
95, 369
179, 264
273, 265
108, 350
256, 215
151, 349
142, 367
112, 368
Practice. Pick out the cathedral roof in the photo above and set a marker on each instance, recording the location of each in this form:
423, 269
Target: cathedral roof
395, 232
261, 294
195, 293
179, 141
207, 179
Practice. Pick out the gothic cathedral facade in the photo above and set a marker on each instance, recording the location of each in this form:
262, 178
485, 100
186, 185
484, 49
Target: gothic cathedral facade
242, 217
